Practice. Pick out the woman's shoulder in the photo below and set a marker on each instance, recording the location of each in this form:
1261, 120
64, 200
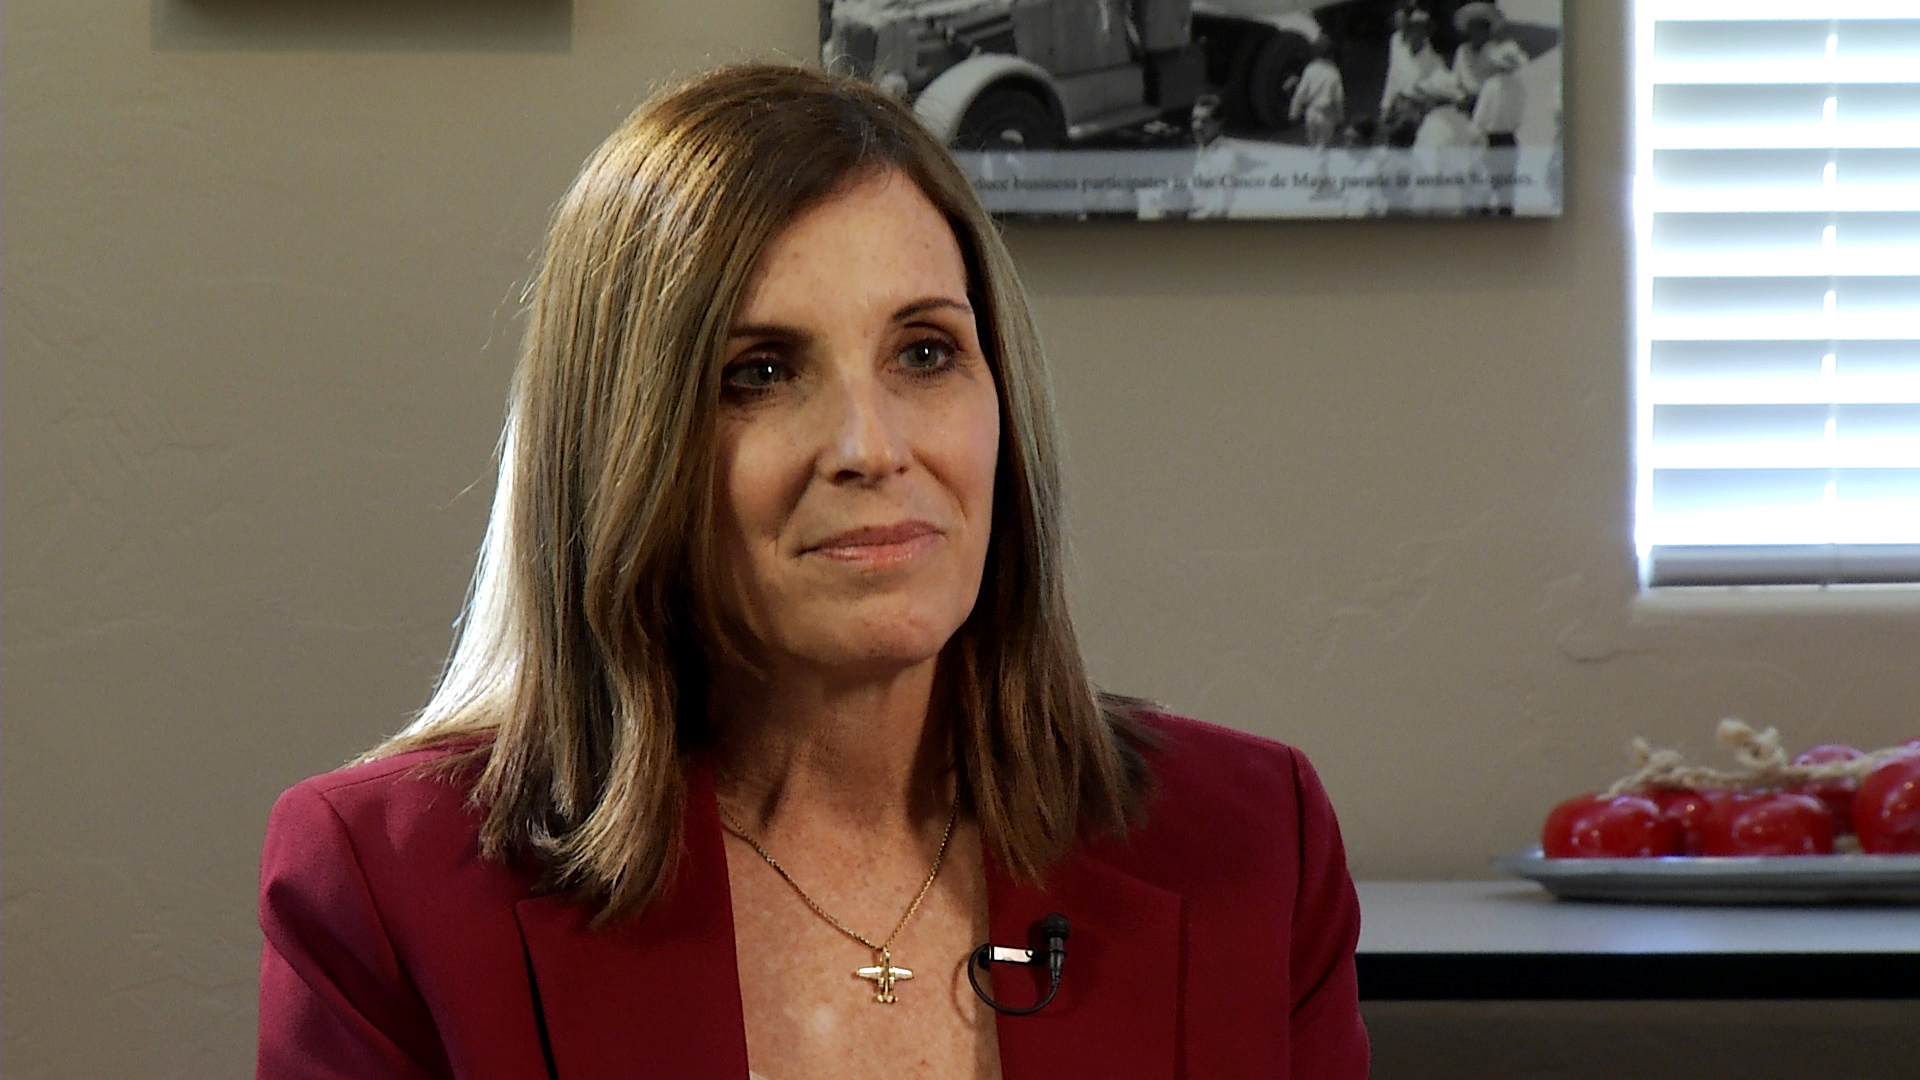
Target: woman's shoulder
387, 932
1236, 823
403, 833
1218, 782
1190, 753
419, 776
402, 803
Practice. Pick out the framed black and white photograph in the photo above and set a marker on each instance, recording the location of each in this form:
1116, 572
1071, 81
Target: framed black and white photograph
1167, 109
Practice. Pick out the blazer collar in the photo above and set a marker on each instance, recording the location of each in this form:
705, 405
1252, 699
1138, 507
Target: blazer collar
659, 994
654, 995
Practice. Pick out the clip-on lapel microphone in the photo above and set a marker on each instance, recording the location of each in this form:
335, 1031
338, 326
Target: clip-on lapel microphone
1053, 930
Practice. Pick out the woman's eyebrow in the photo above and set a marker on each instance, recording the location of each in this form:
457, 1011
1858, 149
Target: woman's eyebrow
931, 303
795, 335
768, 332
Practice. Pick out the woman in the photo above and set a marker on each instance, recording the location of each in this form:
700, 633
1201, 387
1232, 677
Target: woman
1417, 76
766, 708
1484, 67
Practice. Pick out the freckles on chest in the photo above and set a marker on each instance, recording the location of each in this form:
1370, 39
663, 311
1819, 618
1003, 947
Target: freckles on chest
807, 1012
795, 966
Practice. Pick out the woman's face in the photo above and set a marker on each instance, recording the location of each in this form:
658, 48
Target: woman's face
858, 433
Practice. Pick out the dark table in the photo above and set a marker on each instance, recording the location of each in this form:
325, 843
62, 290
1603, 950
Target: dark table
1511, 941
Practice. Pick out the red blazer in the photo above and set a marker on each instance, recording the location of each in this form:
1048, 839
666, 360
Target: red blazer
1215, 942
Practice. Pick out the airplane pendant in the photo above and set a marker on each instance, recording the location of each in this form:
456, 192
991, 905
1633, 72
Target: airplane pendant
884, 975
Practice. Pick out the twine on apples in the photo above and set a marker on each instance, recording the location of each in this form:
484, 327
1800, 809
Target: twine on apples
1764, 764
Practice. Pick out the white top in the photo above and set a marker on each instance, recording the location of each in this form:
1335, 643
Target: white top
1473, 67
1446, 127
1415, 74
1488, 72
1321, 95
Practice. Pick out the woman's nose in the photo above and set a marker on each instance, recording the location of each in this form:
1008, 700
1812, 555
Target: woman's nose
867, 435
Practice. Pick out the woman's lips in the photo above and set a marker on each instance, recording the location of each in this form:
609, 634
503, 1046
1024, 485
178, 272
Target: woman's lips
878, 544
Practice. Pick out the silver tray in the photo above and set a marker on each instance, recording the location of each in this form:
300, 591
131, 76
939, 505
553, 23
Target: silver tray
1755, 879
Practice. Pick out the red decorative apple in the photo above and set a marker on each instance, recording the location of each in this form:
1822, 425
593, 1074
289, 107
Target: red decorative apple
1837, 794
1784, 823
1690, 811
1608, 827
1886, 809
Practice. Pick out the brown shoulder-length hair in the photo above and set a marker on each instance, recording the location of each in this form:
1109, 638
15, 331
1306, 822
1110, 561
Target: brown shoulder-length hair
580, 671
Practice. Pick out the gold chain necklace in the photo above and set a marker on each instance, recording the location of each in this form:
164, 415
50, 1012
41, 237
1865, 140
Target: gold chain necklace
884, 972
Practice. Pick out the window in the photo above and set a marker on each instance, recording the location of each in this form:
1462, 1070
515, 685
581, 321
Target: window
1777, 220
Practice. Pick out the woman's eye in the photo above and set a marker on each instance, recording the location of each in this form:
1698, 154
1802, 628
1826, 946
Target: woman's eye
752, 375
926, 356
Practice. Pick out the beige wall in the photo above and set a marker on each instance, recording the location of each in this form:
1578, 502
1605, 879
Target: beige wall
1360, 486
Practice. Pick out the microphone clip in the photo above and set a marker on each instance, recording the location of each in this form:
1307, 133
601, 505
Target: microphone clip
1054, 930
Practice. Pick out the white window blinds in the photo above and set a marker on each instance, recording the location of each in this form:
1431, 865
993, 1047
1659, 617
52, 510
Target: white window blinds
1777, 212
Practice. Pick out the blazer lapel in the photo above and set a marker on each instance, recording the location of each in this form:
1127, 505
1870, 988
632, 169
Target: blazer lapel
1118, 1010
658, 994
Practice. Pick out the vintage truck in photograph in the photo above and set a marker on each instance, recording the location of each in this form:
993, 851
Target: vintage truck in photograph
1047, 74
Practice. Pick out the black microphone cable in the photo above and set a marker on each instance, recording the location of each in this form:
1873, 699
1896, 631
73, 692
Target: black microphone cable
1054, 930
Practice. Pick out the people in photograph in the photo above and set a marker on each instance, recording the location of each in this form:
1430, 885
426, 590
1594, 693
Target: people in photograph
1487, 66
1417, 75
1207, 121
1320, 98
1484, 66
767, 717
1203, 188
